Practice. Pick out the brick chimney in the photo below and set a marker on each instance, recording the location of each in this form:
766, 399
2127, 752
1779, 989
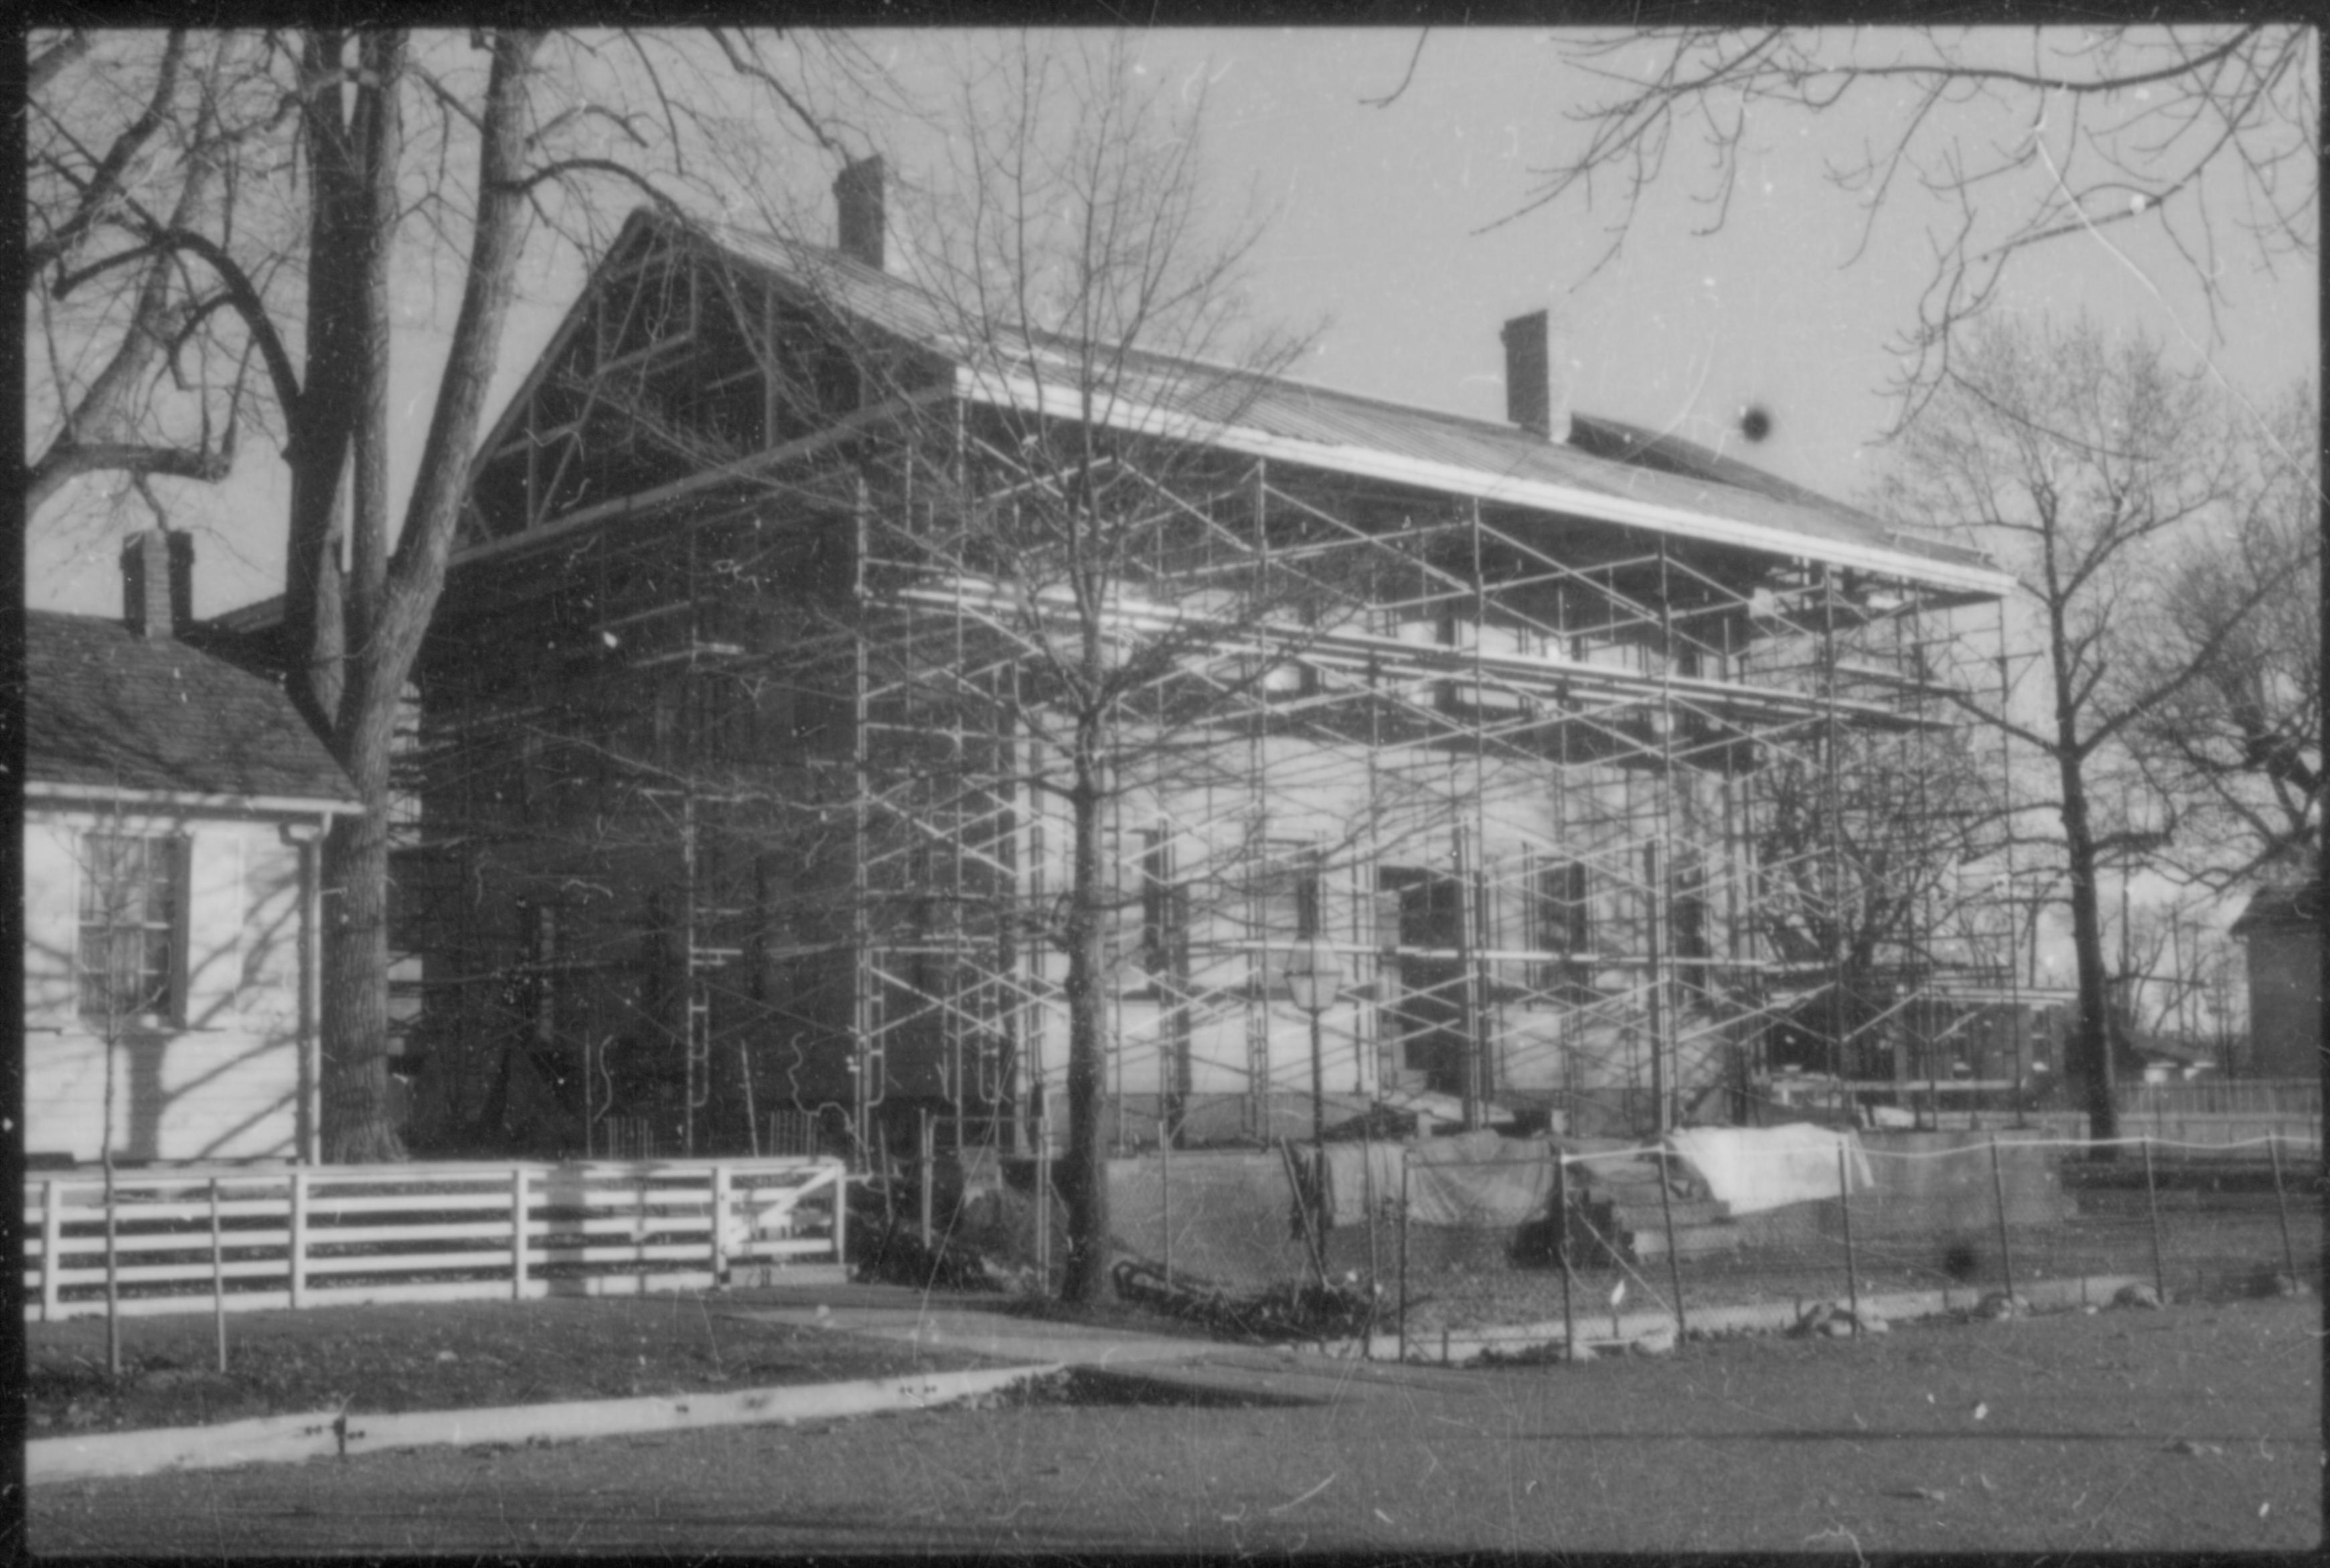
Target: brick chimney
157, 584
857, 194
1537, 375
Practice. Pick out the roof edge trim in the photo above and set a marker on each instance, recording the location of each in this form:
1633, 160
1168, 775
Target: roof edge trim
1143, 419
123, 794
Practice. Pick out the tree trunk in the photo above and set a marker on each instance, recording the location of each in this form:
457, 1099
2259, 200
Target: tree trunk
2091, 1041
1085, 1176
356, 1129
318, 425
366, 678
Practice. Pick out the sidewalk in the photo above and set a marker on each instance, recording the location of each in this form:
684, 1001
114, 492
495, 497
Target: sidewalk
1162, 1366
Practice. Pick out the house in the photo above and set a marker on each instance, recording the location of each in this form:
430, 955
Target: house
173, 805
748, 794
2281, 927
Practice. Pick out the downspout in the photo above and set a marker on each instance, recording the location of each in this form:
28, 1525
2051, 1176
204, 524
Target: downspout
311, 987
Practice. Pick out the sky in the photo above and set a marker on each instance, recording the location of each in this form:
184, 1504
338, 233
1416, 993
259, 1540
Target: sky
1374, 235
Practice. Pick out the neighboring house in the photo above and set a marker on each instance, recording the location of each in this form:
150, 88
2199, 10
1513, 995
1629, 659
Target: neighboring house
173, 803
2282, 930
739, 796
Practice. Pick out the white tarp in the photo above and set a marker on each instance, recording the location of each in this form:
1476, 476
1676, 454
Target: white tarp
1754, 1168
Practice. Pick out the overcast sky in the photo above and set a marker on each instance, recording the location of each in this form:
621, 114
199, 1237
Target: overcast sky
1375, 213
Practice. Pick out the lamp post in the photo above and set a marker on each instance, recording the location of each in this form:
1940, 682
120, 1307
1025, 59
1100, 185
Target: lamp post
1314, 977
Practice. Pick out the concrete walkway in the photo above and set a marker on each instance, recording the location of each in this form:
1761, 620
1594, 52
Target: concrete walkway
1108, 1362
1131, 1364
1158, 1365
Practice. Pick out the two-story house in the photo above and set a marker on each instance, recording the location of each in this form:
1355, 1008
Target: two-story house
750, 727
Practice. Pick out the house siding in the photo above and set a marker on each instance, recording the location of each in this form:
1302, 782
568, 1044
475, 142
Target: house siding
227, 1080
2285, 965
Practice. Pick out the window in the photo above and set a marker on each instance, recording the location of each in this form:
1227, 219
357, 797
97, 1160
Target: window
1688, 920
1285, 909
1563, 910
132, 899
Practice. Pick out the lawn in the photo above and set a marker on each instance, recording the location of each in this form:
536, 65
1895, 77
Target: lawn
2193, 1429
428, 1356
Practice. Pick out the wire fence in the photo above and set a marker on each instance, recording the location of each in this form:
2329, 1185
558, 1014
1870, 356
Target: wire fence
1465, 1238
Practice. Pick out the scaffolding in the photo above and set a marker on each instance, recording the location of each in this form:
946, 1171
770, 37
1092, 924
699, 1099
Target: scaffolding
744, 773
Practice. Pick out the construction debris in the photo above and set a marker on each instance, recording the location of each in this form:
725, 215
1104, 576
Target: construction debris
1836, 1321
1339, 1310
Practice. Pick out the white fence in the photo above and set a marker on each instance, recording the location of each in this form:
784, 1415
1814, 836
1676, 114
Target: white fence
188, 1239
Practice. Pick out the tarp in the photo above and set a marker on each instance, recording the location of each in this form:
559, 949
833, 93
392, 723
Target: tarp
1350, 1169
1754, 1168
1473, 1180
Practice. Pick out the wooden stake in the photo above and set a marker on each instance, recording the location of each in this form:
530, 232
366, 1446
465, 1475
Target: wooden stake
2152, 1202
1674, 1259
1402, 1255
1844, 1202
2281, 1203
1998, 1191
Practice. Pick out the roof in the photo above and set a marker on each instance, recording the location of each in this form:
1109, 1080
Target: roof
1607, 468
106, 709
1608, 471
2293, 904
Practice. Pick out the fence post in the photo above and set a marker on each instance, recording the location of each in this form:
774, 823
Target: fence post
2281, 1205
2151, 1203
1561, 1242
1403, 1254
840, 1169
925, 1156
218, 1273
518, 1232
1674, 1259
299, 1239
1845, 1206
53, 1244
721, 1197
1998, 1194
1375, 1265
1165, 1192
1044, 1200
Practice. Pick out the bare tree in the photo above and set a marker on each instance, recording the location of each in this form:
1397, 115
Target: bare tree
1082, 517
1865, 848
399, 148
2235, 757
141, 372
2078, 459
2011, 138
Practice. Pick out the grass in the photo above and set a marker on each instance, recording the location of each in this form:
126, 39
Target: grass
442, 1356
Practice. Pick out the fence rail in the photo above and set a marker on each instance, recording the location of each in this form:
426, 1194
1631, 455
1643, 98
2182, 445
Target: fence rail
235, 1239
2228, 1097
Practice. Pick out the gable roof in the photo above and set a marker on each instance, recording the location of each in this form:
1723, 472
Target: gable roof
107, 710
2291, 906
1609, 471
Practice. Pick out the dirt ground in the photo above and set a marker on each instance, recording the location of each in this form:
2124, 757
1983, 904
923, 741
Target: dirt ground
2196, 1428
427, 1356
